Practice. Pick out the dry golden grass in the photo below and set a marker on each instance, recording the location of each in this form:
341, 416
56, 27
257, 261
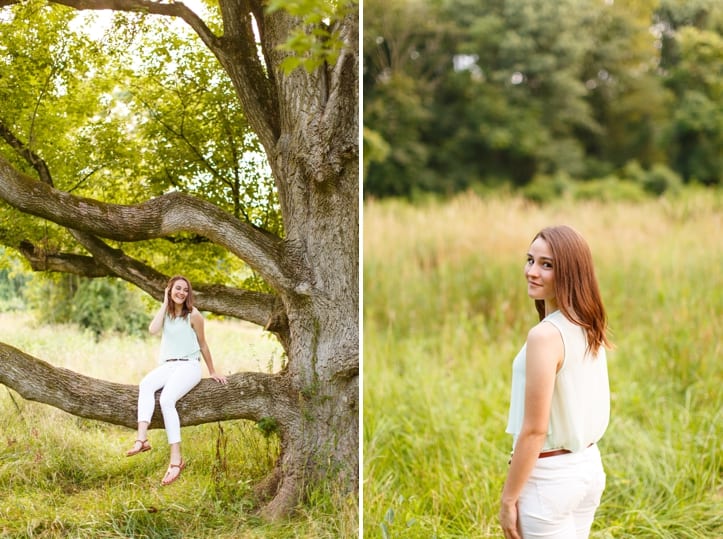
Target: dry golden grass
502, 226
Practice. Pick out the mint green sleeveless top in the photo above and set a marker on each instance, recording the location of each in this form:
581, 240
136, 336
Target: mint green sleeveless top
580, 407
178, 340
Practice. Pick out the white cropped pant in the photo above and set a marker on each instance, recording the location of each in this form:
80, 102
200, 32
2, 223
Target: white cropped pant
560, 498
176, 378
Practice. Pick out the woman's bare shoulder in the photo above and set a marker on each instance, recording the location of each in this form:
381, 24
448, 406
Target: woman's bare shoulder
542, 333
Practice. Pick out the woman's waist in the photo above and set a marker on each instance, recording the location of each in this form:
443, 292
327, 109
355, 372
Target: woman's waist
179, 350
181, 356
548, 452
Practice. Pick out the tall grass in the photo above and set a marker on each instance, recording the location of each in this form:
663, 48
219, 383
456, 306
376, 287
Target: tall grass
445, 311
63, 476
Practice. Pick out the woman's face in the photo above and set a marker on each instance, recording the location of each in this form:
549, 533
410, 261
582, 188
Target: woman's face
179, 291
540, 272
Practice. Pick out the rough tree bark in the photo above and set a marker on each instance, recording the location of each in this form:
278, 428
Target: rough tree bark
307, 124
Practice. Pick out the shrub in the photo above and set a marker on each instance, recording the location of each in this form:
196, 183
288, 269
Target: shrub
12, 282
100, 305
609, 189
108, 305
633, 172
660, 179
544, 188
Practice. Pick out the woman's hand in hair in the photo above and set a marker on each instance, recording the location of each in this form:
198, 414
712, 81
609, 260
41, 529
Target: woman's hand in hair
167, 295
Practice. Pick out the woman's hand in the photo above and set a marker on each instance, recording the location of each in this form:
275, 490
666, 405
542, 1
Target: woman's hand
508, 520
219, 378
156, 324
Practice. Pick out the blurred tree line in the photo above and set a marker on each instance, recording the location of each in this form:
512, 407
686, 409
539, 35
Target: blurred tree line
462, 94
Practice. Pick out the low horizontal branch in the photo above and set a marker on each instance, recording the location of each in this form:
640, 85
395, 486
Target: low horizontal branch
248, 395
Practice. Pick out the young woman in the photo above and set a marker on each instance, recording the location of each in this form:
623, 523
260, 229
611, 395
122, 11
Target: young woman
560, 401
183, 343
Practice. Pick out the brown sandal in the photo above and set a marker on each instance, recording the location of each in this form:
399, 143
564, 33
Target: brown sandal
180, 467
145, 446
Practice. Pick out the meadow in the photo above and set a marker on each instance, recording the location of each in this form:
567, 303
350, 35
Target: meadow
445, 312
63, 476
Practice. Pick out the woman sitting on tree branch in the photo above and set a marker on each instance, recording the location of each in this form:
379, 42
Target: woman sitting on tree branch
183, 342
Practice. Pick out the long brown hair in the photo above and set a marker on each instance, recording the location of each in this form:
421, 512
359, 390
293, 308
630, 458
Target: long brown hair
187, 306
576, 287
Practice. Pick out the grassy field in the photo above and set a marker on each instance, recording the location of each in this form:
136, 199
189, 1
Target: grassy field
62, 476
445, 312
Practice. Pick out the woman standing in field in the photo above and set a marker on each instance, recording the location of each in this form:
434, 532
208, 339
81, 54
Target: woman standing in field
560, 400
183, 342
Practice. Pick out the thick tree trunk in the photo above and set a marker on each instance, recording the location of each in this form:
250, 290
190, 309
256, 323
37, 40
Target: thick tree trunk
320, 442
315, 162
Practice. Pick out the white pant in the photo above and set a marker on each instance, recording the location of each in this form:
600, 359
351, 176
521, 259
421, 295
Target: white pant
176, 378
560, 498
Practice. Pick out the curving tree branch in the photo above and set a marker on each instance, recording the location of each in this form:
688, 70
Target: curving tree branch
41, 260
259, 308
161, 216
171, 9
256, 307
248, 395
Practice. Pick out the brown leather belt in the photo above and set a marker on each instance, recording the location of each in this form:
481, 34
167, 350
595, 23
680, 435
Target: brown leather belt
182, 359
554, 453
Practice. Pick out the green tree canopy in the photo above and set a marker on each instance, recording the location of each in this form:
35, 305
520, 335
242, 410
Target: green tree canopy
126, 116
527, 88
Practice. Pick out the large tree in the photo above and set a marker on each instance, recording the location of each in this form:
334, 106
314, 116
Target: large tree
293, 74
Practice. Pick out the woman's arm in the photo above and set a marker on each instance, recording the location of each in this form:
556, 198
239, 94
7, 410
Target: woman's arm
156, 324
197, 323
544, 357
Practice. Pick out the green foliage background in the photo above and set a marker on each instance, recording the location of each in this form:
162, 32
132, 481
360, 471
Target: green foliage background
462, 94
98, 305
